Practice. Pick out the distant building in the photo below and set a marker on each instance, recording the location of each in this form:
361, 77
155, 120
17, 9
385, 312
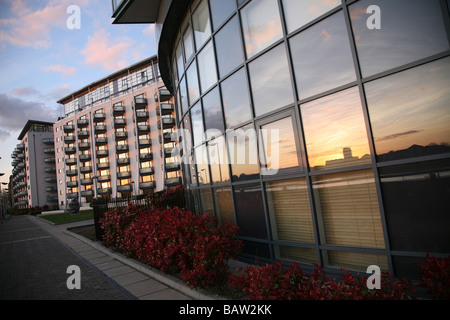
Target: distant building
115, 139
34, 174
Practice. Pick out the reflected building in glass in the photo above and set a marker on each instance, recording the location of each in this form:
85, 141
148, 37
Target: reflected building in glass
361, 116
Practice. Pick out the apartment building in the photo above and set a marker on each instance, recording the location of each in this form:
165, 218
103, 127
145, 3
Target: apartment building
116, 138
358, 92
34, 172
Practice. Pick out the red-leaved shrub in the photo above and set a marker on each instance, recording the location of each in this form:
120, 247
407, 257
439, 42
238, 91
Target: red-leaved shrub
436, 277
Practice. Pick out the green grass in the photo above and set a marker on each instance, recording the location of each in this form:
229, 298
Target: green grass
60, 218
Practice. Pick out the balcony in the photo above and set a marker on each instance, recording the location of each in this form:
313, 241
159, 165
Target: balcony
125, 188
86, 182
145, 142
143, 128
121, 135
72, 195
104, 178
100, 128
101, 141
147, 185
52, 199
124, 175
102, 165
146, 156
72, 184
104, 191
146, 171
71, 173
70, 150
98, 117
83, 134
71, 161
69, 139
166, 108
164, 94
118, 110
123, 161
121, 148
102, 153
48, 141
85, 157
167, 137
167, 123
169, 151
69, 128
142, 115
50, 179
21, 146
50, 169
49, 150
49, 160
172, 167
84, 145
140, 103
173, 181
82, 122
86, 169
87, 193
120, 123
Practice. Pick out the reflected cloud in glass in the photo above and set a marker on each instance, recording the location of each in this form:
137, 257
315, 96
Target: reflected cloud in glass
236, 104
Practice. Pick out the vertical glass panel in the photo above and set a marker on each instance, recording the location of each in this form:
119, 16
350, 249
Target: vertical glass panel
220, 11
206, 201
224, 204
229, 47
289, 211
409, 30
187, 137
409, 112
197, 124
236, 103
347, 209
277, 142
188, 43
192, 83
250, 211
261, 25
322, 57
335, 131
201, 24
212, 109
243, 153
295, 254
184, 96
207, 67
354, 260
270, 81
416, 203
299, 13
201, 159
180, 63
218, 160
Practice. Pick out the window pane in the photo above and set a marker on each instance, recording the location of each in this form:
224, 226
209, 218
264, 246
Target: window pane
201, 159
218, 160
409, 112
192, 83
277, 140
236, 103
289, 210
322, 57
335, 131
188, 43
261, 24
206, 201
354, 260
184, 97
229, 47
224, 204
299, 13
201, 24
221, 10
250, 211
295, 254
410, 30
416, 201
270, 81
347, 209
207, 67
197, 124
243, 152
180, 63
212, 109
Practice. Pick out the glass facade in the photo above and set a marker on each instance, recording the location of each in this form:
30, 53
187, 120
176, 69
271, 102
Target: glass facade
319, 130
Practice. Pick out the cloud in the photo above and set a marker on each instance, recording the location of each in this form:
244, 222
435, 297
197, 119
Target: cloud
398, 135
15, 112
59, 68
26, 91
109, 53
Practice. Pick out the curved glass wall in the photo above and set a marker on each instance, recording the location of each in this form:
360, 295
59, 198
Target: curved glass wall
319, 127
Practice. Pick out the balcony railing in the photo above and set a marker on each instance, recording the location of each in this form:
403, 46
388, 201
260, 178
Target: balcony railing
146, 156
118, 109
147, 185
70, 150
72, 195
83, 134
166, 108
69, 139
87, 193
164, 94
100, 128
48, 141
69, 128
85, 157
102, 165
140, 102
122, 148
49, 160
173, 181
71, 173
84, 145
120, 123
123, 161
124, 188
86, 169
72, 184
121, 135
51, 189
82, 122
102, 153
86, 182
99, 117
124, 175
104, 178
172, 167
101, 141
145, 142
146, 171
71, 161
104, 191
143, 128
141, 115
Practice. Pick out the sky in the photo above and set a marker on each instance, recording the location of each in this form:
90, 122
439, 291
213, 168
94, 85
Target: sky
45, 54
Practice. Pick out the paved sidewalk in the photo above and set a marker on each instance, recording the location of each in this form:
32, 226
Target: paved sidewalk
35, 254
